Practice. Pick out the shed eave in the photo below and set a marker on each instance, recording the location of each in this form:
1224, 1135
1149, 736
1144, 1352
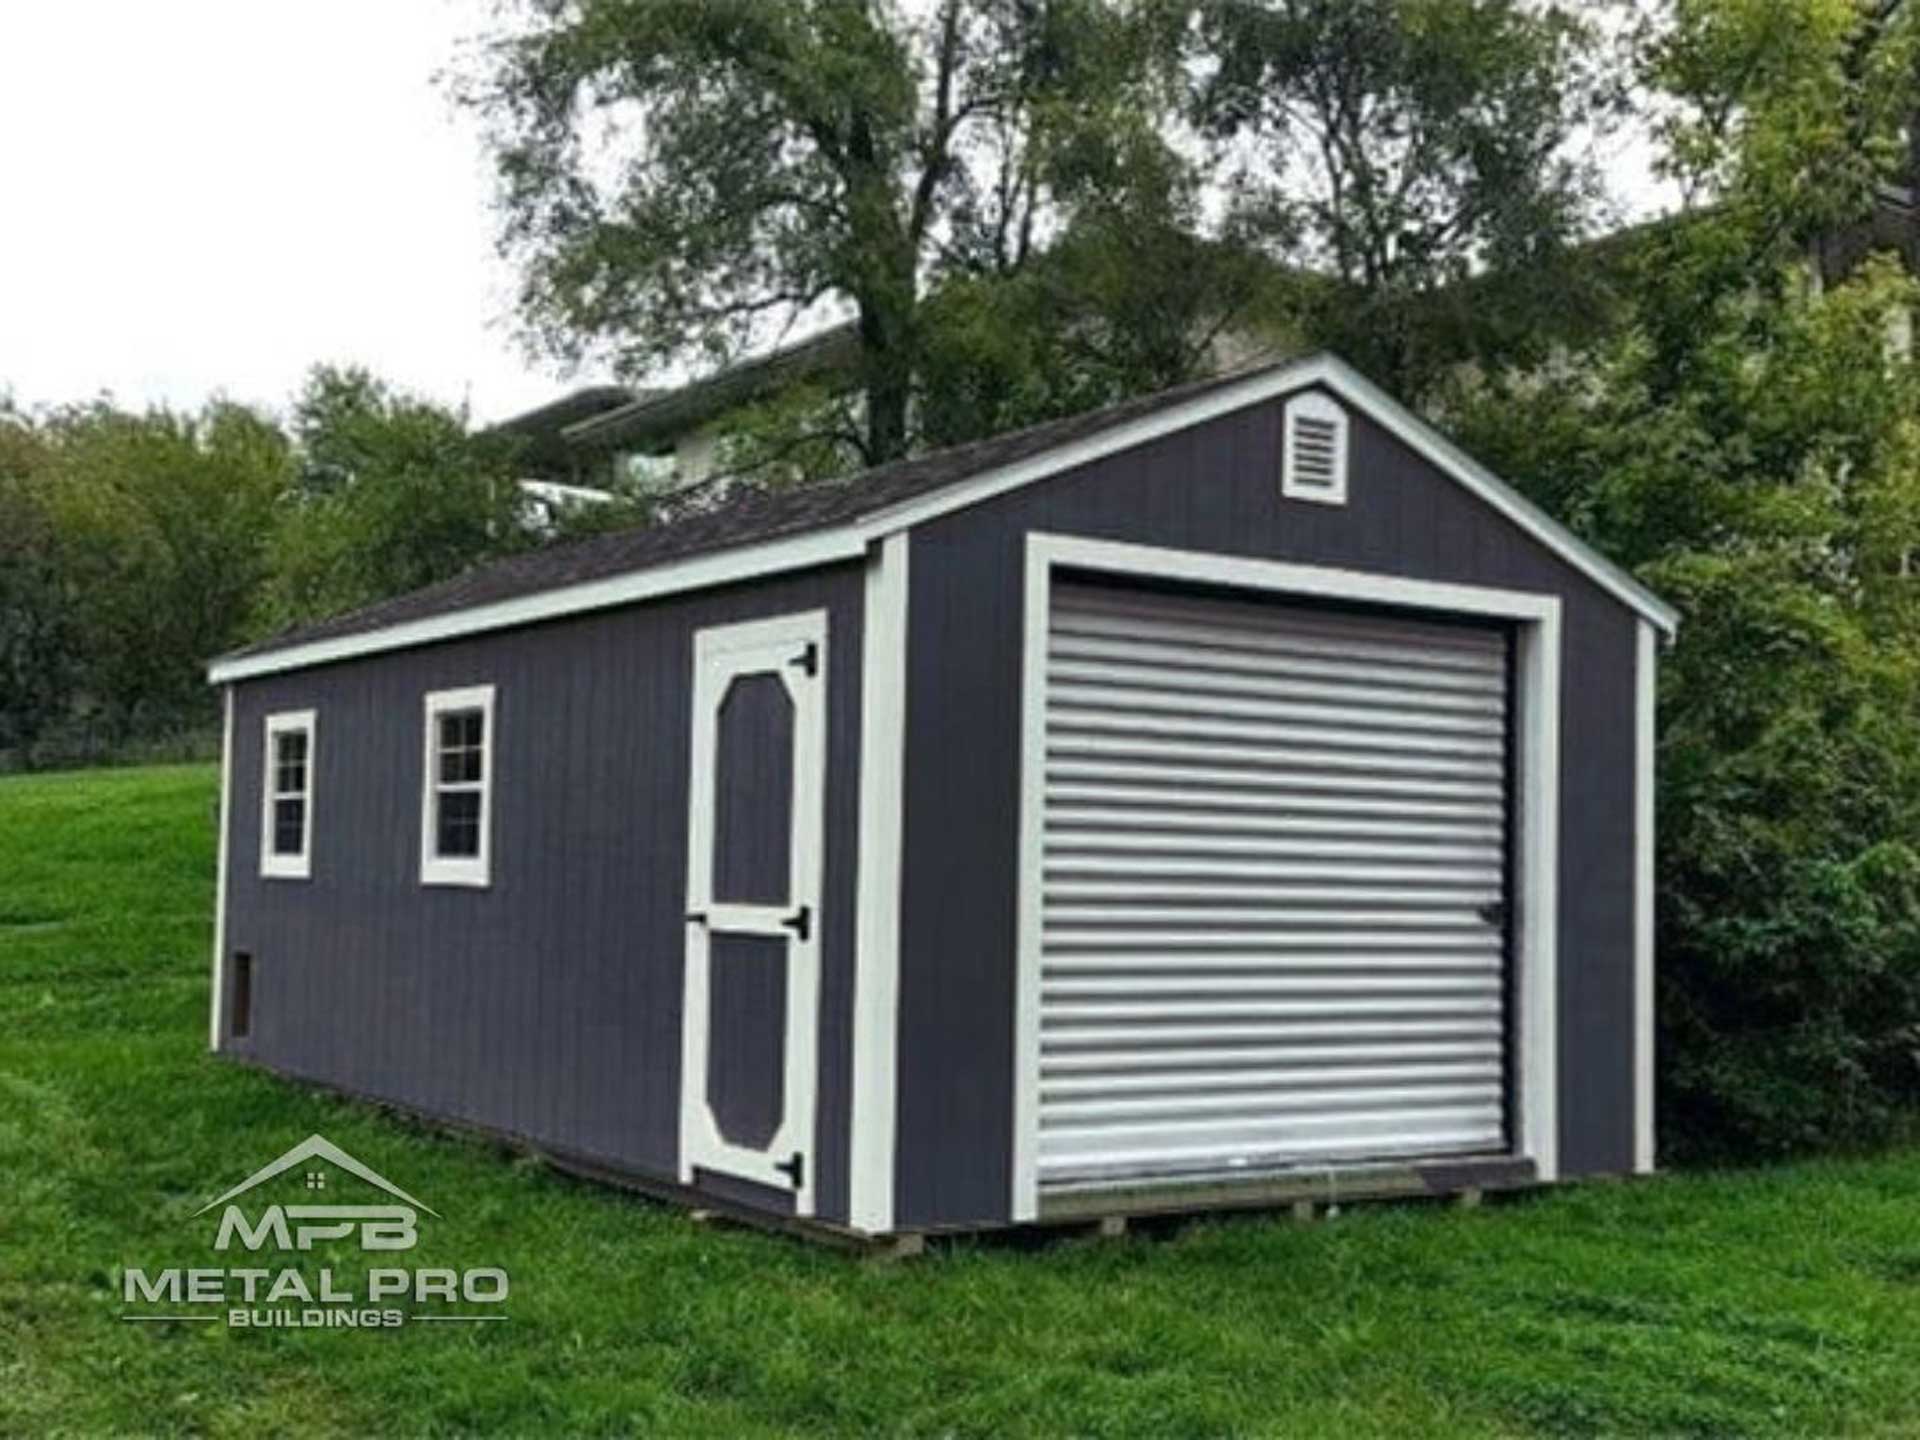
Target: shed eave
697, 572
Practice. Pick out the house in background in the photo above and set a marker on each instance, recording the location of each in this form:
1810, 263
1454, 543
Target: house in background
1231, 796
608, 438
667, 441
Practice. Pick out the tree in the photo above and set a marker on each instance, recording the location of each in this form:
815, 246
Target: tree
1748, 441
392, 492
1794, 112
37, 669
1401, 145
157, 526
675, 175
1130, 298
1116, 306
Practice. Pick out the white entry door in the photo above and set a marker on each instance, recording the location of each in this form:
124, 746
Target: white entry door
753, 903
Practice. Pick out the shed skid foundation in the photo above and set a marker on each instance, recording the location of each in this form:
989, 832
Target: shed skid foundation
1108, 1208
1300, 1189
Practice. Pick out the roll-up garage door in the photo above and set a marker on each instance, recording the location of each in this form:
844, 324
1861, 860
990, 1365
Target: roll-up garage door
1273, 927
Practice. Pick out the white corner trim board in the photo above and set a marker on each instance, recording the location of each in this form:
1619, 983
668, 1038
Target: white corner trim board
876, 984
220, 881
849, 540
1645, 692
1537, 620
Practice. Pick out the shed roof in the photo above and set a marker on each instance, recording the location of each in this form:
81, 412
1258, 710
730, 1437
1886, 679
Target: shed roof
767, 532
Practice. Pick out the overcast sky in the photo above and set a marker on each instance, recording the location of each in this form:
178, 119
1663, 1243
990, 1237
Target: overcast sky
209, 196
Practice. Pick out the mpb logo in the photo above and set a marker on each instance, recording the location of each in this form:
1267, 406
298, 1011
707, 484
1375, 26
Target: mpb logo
298, 1227
256, 1297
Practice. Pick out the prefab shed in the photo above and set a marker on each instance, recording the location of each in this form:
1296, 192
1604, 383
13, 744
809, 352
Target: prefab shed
1237, 794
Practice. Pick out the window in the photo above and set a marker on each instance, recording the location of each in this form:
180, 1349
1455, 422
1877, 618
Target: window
455, 805
286, 797
1315, 466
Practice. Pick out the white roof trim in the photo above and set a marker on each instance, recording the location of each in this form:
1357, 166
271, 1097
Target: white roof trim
699, 572
849, 540
1431, 445
1360, 394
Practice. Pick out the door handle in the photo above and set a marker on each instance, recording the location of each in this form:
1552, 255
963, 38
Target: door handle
800, 921
795, 1169
696, 917
1494, 912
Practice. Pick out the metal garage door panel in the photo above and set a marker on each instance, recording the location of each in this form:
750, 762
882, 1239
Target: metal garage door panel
1275, 852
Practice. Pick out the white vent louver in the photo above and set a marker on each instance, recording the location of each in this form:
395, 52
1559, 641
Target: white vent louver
1315, 467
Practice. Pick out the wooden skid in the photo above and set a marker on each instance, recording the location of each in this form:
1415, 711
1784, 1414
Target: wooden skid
1302, 1190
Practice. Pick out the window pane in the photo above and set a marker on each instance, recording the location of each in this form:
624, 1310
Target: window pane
458, 830
289, 823
460, 737
290, 762
458, 767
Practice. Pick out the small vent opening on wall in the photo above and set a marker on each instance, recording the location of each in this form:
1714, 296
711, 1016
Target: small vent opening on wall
240, 1013
1315, 467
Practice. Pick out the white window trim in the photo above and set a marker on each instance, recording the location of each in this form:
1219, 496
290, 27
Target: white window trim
471, 870
1537, 805
275, 866
1314, 405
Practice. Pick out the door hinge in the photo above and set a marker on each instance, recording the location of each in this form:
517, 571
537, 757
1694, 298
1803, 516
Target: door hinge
808, 660
800, 921
794, 1169
1494, 912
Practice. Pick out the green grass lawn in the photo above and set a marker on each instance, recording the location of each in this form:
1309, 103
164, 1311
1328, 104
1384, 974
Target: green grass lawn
1778, 1301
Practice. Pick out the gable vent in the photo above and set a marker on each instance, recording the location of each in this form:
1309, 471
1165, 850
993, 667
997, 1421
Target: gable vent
1315, 466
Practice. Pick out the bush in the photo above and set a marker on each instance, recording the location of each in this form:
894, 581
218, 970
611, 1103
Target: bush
1757, 462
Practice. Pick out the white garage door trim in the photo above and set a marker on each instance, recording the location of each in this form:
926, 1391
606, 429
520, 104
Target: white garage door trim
1535, 802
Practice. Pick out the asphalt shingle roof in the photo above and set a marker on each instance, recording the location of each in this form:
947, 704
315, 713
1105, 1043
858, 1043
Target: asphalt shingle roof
751, 517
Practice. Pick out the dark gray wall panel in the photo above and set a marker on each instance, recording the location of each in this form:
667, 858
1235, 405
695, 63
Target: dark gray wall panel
747, 1047
1213, 488
753, 793
547, 1006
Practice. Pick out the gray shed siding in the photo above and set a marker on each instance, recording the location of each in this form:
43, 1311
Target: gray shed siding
1215, 487
548, 1005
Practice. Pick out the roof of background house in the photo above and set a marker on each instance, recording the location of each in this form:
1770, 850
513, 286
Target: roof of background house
610, 415
541, 431
656, 414
753, 518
